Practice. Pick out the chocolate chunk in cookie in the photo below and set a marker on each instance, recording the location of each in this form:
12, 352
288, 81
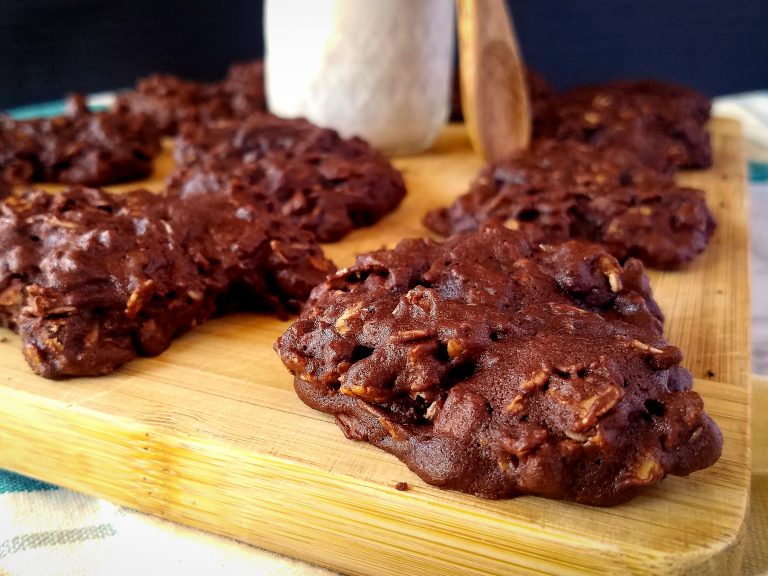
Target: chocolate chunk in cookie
561, 190
90, 280
664, 124
316, 179
80, 147
499, 367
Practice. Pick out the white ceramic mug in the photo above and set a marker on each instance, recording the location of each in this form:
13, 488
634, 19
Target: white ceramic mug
379, 69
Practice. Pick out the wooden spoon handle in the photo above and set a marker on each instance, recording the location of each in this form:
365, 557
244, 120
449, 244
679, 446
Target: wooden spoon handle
493, 87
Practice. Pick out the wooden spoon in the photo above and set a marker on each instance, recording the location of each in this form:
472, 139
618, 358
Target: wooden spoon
494, 95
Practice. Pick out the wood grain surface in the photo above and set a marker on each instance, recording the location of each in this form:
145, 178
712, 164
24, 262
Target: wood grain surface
211, 434
494, 93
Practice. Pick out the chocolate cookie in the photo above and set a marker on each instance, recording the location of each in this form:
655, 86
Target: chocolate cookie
561, 190
90, 279
172, 102
664, 124
244, 84
80, 147
5, 188
316, 179
498, 367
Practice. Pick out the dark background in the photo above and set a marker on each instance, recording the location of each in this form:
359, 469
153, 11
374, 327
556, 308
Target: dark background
50, 47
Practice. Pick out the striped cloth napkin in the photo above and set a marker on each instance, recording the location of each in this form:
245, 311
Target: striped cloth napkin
46, 530
50, 531
751, 109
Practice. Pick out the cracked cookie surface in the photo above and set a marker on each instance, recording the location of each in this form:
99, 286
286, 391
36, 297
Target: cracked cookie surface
663, 124
313, 177
499, 367
561, 190
91, 280
171, 102
79, 147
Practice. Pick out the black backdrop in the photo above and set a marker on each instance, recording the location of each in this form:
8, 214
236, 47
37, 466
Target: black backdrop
49, 47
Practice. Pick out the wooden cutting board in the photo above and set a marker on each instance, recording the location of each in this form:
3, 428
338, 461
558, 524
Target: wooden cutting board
210, 433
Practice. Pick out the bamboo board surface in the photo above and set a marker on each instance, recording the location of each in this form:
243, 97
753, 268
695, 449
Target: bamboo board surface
211, 434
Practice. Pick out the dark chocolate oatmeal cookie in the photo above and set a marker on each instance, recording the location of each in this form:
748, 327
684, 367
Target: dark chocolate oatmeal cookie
561, 190
171, 102
91, 280
664, 124
5, 188
313, 177
498, 367
80, 147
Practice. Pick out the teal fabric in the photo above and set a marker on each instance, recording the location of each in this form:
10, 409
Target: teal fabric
38, 110
10, 482
42, 110
758, 172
